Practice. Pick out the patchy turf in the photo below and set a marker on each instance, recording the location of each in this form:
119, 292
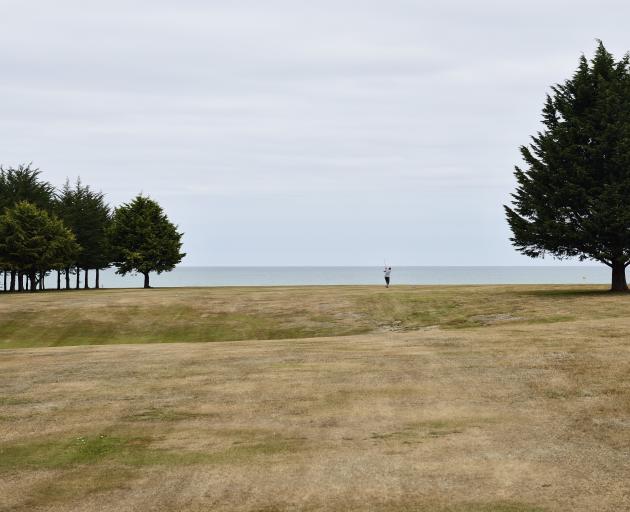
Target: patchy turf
266, 313
516, 399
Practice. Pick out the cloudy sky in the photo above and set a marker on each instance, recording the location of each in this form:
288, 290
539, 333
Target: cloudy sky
293, 132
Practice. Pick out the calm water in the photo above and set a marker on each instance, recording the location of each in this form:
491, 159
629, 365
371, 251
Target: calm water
269, 276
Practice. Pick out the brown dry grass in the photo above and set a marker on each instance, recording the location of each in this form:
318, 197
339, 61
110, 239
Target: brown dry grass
524, 412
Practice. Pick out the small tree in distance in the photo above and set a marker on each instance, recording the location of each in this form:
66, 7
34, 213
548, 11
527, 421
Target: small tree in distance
143, 240
572, 200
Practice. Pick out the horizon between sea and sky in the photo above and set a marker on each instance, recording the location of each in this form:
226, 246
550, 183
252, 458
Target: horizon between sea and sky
329, 275
294, 133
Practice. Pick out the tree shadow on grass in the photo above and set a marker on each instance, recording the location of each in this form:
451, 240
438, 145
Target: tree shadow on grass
578, 291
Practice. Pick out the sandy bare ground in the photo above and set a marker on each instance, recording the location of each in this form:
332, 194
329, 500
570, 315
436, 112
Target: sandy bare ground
507, 417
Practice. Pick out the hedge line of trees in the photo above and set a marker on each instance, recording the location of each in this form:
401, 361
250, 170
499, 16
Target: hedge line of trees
73, 230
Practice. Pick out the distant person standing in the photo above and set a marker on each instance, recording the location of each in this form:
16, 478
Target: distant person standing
388, 272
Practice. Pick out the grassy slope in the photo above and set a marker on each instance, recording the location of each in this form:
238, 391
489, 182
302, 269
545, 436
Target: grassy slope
519, 402
225, 314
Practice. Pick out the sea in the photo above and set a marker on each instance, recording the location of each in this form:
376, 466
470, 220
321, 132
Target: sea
287, 276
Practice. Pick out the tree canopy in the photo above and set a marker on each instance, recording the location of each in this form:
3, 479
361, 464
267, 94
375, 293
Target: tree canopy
572, 196
143, 239
70, 231
24, 184
32, 241
85, 212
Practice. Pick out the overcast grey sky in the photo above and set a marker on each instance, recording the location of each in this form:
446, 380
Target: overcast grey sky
294, 132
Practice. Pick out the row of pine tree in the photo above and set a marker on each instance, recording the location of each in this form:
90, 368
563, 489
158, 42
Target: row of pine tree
72, 231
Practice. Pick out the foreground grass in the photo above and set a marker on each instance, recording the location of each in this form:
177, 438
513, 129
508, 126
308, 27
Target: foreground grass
227, 314
482, 399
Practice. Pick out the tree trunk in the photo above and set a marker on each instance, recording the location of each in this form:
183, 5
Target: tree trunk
146, 280
32, 276
13, 280
20, 282
67, 272
618, 277
58, 279
86, 284
78, 277
42, 280
98, 280
4, 288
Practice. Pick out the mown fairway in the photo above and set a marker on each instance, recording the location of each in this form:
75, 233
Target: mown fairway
339, 398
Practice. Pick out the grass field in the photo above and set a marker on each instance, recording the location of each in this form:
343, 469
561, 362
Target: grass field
488, 398
228, 314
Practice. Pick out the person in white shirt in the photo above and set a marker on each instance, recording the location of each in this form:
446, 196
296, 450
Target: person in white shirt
388, 271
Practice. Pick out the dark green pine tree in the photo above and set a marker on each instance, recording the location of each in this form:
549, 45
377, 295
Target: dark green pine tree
143, 240
85, 212
572, 199
32, 241
23, 184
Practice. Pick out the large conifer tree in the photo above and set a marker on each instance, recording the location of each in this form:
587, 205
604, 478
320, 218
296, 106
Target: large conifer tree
32, 241
143, 239
573, 198
23, 183
85, 212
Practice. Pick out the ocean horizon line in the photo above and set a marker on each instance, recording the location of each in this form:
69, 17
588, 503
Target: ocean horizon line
593, 265
304, 275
